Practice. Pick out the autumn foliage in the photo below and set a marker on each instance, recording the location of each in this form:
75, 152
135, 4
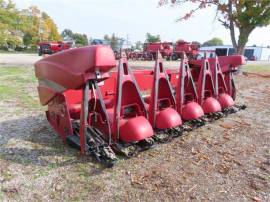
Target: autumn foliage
241, 17
24, 28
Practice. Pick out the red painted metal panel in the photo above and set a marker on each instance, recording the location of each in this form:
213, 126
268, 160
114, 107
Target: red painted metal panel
70, 69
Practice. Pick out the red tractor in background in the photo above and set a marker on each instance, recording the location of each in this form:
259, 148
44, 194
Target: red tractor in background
191, 50
53, 47
165, 49
168, 50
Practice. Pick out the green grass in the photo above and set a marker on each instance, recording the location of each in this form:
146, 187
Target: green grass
255, 68
19, 84
6, 91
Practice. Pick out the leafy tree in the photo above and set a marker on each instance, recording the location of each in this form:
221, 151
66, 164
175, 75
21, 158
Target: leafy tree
241, 15
48, 28
80, 39
152, 38
213, 42
35, 26
27, 26
113, 41
10, 33
67, 34
27, 39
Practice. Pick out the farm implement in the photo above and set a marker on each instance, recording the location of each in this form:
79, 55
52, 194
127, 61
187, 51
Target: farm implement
102, 111
53, 47
168, 50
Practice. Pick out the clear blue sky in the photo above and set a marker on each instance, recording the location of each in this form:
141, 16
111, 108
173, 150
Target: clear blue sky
136, 17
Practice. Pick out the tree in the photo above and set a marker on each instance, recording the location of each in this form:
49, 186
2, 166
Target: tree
213, 42
27, 26
236, 15
114, 41
49, 28
10, 33
67, 34
37, 26
152, 38
80, 39
27, 39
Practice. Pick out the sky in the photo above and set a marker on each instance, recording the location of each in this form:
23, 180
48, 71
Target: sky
134, 18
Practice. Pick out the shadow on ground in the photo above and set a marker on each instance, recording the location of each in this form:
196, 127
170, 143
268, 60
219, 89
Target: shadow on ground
31, 141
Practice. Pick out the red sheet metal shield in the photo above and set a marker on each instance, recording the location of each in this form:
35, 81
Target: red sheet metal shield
162, 113
130, 114
186, 94
70, 69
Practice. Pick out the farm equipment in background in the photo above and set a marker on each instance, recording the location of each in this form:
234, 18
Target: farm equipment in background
151, 49
103, 112
122, 45
168, 50
191, 50
53, 47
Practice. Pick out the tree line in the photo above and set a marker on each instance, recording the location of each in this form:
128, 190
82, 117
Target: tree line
23, 29
242, 16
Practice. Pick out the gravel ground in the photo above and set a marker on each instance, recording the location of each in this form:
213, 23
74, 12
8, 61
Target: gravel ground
15, 59
228, 160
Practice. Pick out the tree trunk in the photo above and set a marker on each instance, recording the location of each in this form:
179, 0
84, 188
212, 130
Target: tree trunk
243, 39
240, 49
231, 26
244, 32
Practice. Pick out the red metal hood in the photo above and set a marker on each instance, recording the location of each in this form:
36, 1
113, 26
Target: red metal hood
70, 69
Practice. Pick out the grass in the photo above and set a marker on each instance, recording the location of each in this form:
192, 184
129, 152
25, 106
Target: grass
6, 91
257, 68
16, 84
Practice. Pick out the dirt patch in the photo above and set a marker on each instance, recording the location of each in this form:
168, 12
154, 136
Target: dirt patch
266, 75
228, 160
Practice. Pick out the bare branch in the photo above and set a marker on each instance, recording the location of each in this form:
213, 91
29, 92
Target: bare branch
224, 23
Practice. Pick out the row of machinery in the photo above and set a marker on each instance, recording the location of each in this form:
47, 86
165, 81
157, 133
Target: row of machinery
168, 50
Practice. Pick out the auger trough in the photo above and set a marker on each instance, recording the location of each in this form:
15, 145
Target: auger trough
103, 111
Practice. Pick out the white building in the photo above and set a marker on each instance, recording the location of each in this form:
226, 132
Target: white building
251, 52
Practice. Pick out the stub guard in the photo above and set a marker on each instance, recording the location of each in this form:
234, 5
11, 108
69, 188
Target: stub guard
206, 90
221, 90
162, 113
186, 94
130, 115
